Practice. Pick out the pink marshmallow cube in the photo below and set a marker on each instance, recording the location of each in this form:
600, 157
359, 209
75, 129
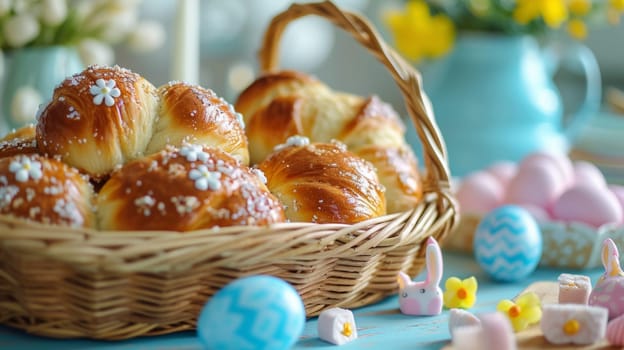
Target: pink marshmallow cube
574, 289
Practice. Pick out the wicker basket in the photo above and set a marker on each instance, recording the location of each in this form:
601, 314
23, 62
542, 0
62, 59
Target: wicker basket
66, 283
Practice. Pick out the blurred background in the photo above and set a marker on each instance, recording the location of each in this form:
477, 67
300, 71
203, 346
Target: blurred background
230, 33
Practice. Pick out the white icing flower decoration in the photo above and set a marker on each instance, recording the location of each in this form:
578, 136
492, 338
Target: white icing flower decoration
193, 153
296, 140
24, 168
205, 179
104, 90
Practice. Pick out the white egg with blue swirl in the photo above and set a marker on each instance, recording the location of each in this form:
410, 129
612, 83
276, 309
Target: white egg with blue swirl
256, 312
508, 243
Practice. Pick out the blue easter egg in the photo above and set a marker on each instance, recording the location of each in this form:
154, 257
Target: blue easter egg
508, 243
257, 312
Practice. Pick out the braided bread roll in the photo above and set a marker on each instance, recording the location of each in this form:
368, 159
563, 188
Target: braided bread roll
287, 103
45, 190
20, 141
323, 183
103, 117
98, 119
191, 114
185, 189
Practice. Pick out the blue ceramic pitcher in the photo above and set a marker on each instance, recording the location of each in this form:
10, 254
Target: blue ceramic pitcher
494, 99
41, 68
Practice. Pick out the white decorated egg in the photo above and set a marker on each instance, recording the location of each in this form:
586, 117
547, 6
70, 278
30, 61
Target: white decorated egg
257, 312
508, 243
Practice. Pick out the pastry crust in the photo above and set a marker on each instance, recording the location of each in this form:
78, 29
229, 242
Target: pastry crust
190, 114
45, 190
183, 190
287, 103
324, 183
98, 119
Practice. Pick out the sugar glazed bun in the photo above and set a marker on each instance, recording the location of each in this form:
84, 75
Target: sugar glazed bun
20, 141
98, 119
45, 190
186, 189
287, 103
190, 114
323, 183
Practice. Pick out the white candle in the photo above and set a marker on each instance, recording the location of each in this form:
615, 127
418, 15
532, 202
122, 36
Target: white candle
185, 59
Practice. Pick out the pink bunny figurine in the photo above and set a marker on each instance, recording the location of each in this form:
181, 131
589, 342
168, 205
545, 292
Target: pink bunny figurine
423, 298
609, 289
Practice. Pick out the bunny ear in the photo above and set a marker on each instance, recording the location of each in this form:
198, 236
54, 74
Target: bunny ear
403, 280
611, 258
434, 262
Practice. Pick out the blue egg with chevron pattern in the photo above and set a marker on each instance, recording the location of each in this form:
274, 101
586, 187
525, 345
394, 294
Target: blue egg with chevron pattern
256, 312
508, 243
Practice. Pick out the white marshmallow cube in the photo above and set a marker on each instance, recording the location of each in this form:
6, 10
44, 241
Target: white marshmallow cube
574, 323
337, 326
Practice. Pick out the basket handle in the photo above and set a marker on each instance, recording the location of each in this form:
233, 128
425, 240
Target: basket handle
437, 177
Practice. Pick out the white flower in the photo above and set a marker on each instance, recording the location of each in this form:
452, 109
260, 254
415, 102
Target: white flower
25, 105
205, 179
24, 168
53, 12
93, 51
111, 23
5, 7
193, 153
20, 29
104, 91
147, 36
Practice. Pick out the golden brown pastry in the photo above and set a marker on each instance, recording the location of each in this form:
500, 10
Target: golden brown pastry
20, 141
323, 183
185, 189
279, 105
190, 114
98, 119
46, 191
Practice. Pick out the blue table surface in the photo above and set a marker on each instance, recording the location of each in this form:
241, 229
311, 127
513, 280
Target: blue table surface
380, 326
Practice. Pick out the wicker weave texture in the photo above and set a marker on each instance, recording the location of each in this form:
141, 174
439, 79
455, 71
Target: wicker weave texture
67, 283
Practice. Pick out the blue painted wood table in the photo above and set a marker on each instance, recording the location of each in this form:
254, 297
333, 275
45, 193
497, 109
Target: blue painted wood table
380, 326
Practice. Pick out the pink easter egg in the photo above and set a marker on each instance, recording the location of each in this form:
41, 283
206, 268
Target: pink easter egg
561, 161
538, 182
479, 193
503, 171
615, 331
539, 214
618, 191
587, 173
588, 204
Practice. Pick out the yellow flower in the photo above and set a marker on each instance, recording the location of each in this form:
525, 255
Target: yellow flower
460, 294
577, 29
617, 4
553, 12
524, 312
417, 34
580, 7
